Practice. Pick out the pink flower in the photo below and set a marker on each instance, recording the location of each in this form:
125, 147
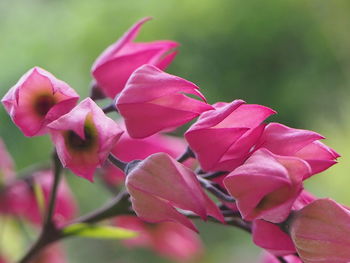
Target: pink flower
169, 239
303, 199
159, 185
84, 138
128, 149
19, 199
114, 66
222, 138
37, 99
282, 140
321, 232
154, 101
268, 258
270, 237
6, 165
266, 185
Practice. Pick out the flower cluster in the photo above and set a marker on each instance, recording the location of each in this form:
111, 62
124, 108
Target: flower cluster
253, 169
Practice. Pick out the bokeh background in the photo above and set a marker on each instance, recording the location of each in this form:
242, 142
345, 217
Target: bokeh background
290, 55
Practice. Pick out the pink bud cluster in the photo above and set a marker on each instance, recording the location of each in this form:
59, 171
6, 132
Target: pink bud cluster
255, 169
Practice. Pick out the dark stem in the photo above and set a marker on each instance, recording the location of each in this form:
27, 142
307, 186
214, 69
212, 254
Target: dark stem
49, 233
56, 180
110, 108
117, 206
213, 175
114, 160
240, 223
281, 259
215, 191
232, 221
230, 213
186, 155
95, 92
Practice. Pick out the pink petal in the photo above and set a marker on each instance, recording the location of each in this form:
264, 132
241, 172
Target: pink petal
270, 237
153, 209
279, 181
321, 232
157, 84
115, 47
105, 134
283, 140
24, 100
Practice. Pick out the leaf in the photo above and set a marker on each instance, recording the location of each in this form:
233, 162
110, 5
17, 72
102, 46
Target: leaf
96, 231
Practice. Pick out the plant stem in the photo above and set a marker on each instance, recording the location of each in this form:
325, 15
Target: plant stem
95, 92
114, 160
56, 180
215, 191
49, 231
116, 206
186, 155
109, 108
281, 259
213, 175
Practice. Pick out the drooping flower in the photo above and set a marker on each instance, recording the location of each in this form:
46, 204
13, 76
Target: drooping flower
37, 99
18, 198
128, 149
154, 101
223, 138
84, 138
159, 185
283, 140
114, 66
321, 232
169, 239
266, 185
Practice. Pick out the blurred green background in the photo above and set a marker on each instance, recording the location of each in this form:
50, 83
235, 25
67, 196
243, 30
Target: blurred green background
290, 55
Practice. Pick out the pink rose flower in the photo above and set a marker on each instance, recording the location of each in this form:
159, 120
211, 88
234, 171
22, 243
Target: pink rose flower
159, 184
321, 232
283, 140
84, 138
223, 138
37, 99
154, 101
114, 66
266, 185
